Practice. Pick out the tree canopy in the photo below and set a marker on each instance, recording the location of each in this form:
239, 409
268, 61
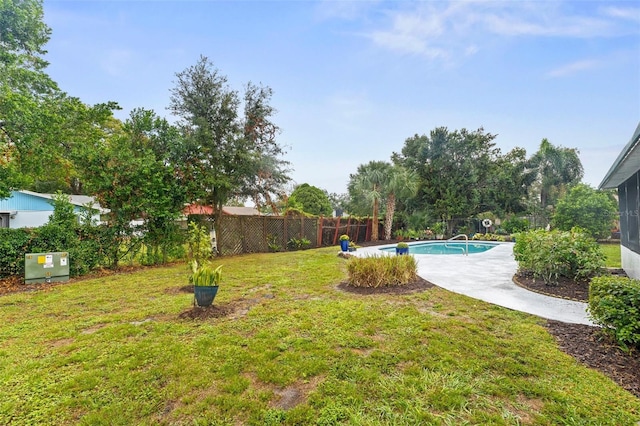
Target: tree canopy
587, 208
224, 151
461, 173
310, 199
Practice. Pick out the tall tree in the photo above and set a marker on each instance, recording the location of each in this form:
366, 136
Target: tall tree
556, 168
23, 83
453, 168
506, 188
225, 152
368, 185
42, 130
136, 175
399, 183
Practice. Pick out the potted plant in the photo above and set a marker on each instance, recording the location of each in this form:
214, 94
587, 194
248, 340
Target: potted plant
344, 242
206, 280
352, 246
402, 248
438, 229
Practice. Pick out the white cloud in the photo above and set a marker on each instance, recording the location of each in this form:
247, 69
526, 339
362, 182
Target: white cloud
628, 13
445, 30
572, 68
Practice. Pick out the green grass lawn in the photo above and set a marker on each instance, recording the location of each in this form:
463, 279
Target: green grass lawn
295, 350
612, 253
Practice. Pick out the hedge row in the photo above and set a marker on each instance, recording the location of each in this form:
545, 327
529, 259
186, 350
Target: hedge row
82, 244
614, 303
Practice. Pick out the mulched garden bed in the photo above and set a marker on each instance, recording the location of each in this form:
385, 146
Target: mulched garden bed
589, 345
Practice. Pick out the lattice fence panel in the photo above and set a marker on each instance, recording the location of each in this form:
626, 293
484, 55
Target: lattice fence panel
274, 233
230, 236
253, 234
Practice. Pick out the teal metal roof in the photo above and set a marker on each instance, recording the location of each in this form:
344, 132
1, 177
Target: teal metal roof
627, 163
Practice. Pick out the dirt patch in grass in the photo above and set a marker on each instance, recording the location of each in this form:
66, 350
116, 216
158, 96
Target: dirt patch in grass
417, 285
208, 312
233, 310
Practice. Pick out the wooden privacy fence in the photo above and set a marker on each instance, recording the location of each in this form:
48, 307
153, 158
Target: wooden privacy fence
261, 234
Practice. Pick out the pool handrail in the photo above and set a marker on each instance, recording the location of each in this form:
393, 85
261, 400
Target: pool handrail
466, 249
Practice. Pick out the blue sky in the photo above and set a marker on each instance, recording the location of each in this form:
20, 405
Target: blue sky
353, 79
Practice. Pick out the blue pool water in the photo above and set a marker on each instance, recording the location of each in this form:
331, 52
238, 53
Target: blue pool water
446, 247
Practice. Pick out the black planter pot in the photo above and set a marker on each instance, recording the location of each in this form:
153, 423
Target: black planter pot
205, 294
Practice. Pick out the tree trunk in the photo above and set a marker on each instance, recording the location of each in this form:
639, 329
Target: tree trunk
374, 226
388, 220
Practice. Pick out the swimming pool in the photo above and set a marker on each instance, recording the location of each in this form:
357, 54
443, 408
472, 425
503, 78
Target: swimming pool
446, 247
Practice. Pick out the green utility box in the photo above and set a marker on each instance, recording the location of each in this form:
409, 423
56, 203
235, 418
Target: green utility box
46, 267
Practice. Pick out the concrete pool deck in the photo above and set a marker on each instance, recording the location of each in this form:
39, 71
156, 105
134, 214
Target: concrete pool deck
488, 276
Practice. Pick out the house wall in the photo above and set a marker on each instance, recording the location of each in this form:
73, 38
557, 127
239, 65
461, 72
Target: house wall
629, 196
29, 211
631, 262
629, 202
29, 219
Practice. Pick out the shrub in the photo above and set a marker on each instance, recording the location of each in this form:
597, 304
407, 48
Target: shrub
199, 243
381, 271
549, 255
298, 244
489, 237
590, 209
515, 224
614, 303
14, 243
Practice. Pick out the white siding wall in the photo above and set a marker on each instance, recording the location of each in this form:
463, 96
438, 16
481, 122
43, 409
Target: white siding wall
631, 262
29, 219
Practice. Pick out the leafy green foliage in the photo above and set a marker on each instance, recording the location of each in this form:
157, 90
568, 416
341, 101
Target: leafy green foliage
381, 271
134, 175
462, 173
14, 244
552, 254
555, 168
367, 191
64, 232
226, 155
488, 237
298, 243
310, 199
614, 303
205, 274
587, 208
515, 224
199, 243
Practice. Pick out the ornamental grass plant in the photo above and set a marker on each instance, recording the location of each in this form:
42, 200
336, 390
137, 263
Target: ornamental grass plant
381, 271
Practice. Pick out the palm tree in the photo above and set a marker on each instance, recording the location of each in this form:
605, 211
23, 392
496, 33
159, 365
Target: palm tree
400, 183
556, 167
369, 181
